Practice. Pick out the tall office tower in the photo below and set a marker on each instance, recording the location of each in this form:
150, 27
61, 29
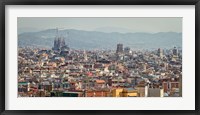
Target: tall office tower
127, 50
119, 48
160, 53
175, 51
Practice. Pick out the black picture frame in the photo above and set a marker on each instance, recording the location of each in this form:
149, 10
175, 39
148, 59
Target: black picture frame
99, 2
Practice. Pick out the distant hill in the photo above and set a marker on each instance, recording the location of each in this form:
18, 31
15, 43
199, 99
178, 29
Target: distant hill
79, 39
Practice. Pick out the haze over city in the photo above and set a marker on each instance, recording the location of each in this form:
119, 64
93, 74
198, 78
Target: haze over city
101, 33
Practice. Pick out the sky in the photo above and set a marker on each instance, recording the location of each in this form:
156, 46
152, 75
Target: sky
103, 24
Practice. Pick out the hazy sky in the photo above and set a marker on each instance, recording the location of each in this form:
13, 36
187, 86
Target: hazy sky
150, 25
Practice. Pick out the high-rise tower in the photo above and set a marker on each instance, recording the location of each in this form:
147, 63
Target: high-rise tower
160, 53
175, 51
119, 48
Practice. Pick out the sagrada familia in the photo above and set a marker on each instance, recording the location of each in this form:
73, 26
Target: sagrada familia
59, 43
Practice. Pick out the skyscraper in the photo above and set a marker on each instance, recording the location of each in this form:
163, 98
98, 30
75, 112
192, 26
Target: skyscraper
119, 48
175, 51
127, 50
160, 53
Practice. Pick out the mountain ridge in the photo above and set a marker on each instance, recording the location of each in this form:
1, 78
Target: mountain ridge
81, 39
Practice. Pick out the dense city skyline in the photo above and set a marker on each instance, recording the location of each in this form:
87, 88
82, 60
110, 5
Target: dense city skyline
73, 63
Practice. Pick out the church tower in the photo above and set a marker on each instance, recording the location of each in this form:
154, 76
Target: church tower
59, 43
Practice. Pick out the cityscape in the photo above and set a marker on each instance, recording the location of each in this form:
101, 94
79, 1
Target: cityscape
122, 71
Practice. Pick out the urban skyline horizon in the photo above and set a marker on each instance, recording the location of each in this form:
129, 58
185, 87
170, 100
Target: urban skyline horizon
97, 40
